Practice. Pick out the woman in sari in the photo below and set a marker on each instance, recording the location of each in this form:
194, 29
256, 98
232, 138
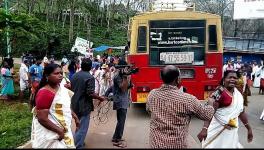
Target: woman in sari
256, 82
222, 130
242, 86
52, 115
7, 81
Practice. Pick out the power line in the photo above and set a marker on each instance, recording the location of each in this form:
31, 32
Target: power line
102, 113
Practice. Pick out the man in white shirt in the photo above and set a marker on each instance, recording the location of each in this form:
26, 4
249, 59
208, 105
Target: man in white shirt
45, 61
238, 65
224, 68
254, 69
23, 74
104, 79
261, 75
65, 60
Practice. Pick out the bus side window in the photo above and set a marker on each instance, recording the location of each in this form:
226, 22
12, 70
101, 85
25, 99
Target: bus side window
142, 41
212, 38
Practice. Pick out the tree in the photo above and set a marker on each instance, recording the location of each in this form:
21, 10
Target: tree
66, 19
23, 28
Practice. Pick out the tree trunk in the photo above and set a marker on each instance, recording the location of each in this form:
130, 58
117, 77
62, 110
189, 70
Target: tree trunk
47, 10
79, 21
127, 11
71, 20
102, 15
64, 19
18, 7
39, 7
59, 11
97, 9
28, 6
58, 17
113, 10
88, 22
108, 17
32, 6
45, 6
52, 15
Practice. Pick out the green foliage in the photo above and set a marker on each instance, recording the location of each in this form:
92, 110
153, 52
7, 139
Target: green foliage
25, 31
15, 124
31, 32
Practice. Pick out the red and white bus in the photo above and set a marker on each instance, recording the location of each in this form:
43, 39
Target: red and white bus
189, 40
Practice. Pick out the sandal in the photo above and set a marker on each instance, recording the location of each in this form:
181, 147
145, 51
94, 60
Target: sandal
120, 144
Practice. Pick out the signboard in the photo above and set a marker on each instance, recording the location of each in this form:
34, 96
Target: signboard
177, 57
169, 5
177, 33
81, 45
177, 42
248, 9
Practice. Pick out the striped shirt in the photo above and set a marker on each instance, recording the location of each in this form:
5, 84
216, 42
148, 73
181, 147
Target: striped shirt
171, 112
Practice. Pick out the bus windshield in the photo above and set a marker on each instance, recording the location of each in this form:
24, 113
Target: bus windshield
180, 42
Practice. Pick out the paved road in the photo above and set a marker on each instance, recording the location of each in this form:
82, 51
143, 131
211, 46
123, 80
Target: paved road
137, 128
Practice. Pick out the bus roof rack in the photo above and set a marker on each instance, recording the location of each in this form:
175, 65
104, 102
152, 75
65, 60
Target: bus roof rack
168, 6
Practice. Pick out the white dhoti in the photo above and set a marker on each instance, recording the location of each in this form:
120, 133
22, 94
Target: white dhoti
103, 89
217, 136
262, 115
256, 82
23, 85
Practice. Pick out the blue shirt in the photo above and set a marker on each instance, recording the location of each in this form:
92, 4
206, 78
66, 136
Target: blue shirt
94, 64
36, 72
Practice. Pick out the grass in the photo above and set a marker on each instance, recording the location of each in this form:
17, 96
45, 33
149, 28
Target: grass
15, 120
15, 124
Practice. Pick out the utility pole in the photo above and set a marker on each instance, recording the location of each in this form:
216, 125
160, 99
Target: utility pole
8, 46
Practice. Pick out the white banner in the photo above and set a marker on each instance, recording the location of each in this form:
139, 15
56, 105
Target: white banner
249, 9
81, 45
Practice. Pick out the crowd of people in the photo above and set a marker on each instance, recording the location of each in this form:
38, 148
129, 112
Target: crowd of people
60, 93
253, 72
66, 92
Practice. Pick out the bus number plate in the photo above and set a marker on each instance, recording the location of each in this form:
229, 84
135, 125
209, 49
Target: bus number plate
177, 57
142, 97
